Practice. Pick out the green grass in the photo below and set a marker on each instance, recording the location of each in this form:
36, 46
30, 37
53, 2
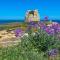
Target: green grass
31, 47
13, 26
16, 53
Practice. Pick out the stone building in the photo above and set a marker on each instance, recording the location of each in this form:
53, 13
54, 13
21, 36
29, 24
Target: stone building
32, 15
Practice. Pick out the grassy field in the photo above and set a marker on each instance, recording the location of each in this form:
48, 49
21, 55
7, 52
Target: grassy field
13, 26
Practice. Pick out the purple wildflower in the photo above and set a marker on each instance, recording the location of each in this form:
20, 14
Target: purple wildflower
53, 52
58, 29
50, 31
18, 32
55, 25
42, 25
32, 23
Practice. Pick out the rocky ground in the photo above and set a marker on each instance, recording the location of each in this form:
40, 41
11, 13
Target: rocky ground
8, 38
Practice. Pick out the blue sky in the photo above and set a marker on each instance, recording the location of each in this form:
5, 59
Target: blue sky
15, 9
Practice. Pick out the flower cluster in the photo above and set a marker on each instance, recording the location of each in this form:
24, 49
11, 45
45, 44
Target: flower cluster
53, 52
50, 29
18, 32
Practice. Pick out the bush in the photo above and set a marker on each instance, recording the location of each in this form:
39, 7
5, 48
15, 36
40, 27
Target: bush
42, 41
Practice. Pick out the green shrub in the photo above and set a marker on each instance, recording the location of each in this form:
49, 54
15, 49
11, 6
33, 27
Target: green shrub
42, 41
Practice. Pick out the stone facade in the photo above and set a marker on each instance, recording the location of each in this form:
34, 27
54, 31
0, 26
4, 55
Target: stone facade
32, 15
